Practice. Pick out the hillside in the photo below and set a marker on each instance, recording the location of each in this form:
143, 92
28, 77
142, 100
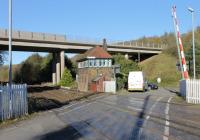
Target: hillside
163, 66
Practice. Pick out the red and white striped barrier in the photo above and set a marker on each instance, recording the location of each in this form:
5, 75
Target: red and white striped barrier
182, 56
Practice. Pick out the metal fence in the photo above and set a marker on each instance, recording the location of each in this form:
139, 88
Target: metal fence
190, 89
14, 104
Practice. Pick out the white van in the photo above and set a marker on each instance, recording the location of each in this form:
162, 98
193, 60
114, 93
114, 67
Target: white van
136, 81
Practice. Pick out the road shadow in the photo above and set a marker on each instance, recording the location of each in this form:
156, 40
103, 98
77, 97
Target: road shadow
70, 132
67, 133
136, 132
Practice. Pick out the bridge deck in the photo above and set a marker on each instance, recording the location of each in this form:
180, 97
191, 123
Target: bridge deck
44, 42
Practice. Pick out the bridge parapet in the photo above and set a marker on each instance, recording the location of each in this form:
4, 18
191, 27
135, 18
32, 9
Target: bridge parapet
127, 44
36, 36
33, 36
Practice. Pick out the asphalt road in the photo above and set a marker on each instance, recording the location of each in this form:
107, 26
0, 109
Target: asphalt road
152, 115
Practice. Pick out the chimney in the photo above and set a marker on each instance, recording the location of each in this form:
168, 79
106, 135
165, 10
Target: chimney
104, 44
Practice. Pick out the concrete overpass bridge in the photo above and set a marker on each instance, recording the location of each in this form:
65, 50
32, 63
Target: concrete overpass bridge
61, 44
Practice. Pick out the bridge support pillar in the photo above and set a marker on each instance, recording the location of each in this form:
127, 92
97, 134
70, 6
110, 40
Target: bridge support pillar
138, 57
57, 68
62, 62
54, 69
126, 56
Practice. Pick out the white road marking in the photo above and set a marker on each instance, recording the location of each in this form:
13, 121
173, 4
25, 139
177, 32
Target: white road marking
150, 112
115, 103
134, 99
136, 102
166, 130
167, 117
99, 97
77, 108
109, 102
65, 107
153, 106
134, 108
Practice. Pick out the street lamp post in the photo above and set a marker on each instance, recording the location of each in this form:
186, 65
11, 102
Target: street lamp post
10, 51
10, 42
193, 44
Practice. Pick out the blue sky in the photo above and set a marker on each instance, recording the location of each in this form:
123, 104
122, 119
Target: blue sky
97, 19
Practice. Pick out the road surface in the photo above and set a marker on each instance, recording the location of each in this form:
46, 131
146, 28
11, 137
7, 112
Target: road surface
154, 115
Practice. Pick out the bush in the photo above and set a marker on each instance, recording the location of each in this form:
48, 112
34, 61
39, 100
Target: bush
125, 67
67, 79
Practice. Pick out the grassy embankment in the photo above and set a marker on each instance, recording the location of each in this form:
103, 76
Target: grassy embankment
163, 66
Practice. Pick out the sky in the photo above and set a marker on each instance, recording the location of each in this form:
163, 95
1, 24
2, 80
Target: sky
97, 19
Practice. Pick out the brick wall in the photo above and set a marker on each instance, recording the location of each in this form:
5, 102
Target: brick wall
86, 75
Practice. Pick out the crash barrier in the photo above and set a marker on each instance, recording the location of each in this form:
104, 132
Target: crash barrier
190, 89
13, 104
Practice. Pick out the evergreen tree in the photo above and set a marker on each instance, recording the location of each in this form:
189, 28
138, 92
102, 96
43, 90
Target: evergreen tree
67, 79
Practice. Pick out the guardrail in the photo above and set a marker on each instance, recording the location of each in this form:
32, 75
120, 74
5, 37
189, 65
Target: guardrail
15, 104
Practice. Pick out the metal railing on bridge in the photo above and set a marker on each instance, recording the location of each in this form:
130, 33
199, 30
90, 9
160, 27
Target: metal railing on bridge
141, 44
78, 39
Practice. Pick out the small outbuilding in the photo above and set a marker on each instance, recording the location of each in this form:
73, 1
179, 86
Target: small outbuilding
94, 67
97, 84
